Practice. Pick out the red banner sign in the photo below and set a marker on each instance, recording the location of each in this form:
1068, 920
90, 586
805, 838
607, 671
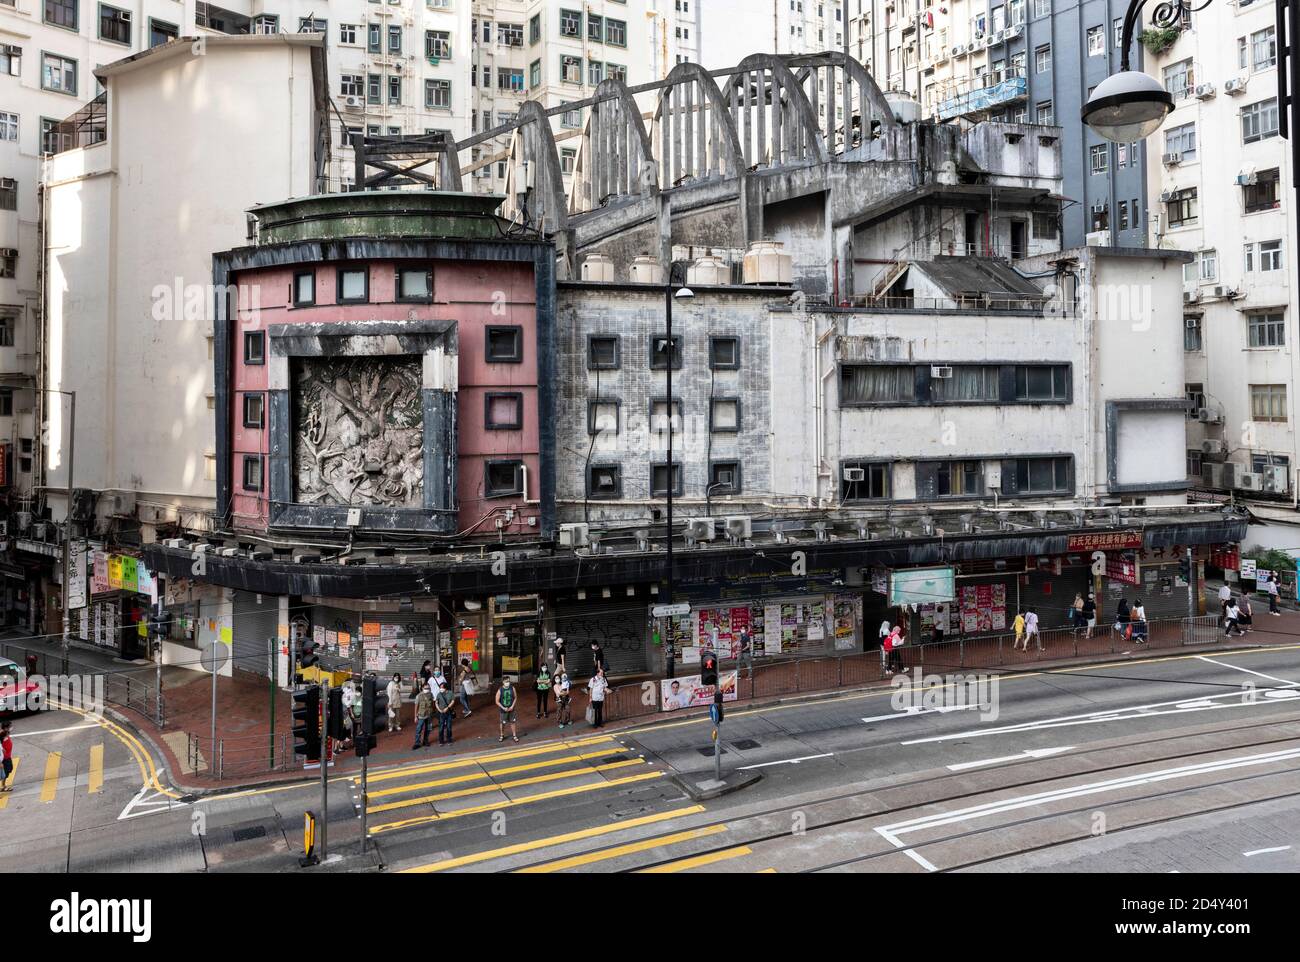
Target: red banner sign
1120, 569
1104, 541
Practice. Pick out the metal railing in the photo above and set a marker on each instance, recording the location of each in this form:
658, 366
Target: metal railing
792, 676
238, 754
133, 688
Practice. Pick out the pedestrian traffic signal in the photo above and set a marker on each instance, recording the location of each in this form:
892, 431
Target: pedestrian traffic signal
336, 715
709, 669
1185, 569
308, 658
374, 705
306, 723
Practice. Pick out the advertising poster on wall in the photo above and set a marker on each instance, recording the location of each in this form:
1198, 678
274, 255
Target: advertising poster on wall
690, 692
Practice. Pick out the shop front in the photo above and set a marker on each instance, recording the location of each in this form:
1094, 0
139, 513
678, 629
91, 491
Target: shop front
116, 615
518, 641
380, 635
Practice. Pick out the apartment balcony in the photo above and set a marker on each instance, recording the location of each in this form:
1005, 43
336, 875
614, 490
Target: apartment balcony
999, 90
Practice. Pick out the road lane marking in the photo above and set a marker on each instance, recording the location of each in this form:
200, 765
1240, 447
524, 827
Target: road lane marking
1265, 851
913, 712
698, 861
1223, 664
50, 785
95, 777
520, 847
514, 802
499, 786
460, 779
53, 731
467, 761
5, 796
785, 761
1023, 756
590, 858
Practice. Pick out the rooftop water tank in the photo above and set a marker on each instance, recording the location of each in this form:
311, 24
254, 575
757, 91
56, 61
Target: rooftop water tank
646, 270
598, 267
766, 262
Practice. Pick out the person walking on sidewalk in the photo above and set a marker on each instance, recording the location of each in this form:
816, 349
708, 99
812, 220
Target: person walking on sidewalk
1272, 588
445, 704
6, 757
559, 655
394, 693
597, 658
1246, 615
543, 686
1089, 614
896, 641
423, 718
1231, 620
1076, 611
597, 688
1139, 619
887, 652
466, 682
1031, 629
746, 656
1122, 625
1225, 596
507, 700
1018, 626
563, 700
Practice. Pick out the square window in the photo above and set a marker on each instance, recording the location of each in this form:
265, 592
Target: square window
59, 74
724, 353
724, 478
254, 412
254, 347
353, 285
414, 284
503, 478
1266, 330
304, 288
504, 411
602, 352
1038, 383
724, 415
1268, 402
252, 472
659, 479
114, 24
602, 417
659, 416
862, 481
604, 481
659, 352
505, 344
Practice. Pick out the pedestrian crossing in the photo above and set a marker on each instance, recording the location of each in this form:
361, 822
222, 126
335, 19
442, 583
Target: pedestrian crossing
59, 775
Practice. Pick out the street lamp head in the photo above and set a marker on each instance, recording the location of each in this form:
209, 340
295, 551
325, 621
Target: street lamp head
1127, 107
684, 294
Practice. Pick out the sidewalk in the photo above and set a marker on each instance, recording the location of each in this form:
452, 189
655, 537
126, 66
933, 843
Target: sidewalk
244, 722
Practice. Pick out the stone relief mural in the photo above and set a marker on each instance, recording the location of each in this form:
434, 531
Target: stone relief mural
358, 432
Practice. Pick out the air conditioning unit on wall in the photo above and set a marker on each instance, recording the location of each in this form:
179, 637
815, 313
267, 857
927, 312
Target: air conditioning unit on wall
1249, 481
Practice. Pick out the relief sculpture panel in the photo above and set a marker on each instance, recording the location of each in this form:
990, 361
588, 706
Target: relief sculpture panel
358, 433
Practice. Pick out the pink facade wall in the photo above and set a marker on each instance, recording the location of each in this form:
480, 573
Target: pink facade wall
475, 295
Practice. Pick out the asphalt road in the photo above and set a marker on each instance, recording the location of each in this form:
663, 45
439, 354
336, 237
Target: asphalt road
851, 782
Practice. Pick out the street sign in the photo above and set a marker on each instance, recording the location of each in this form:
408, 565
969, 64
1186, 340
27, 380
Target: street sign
214, 656
670, 611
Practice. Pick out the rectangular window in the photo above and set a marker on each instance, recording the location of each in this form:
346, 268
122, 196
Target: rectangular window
1123, 215
604, 481
1043, 58
659, 416
1193, 463
724, 353
312, 25
304, 288
253, 410
58, 74
568, 160
252, 472
6, 402
1192, 332
11, 60
7, 331
501, 479
394, 39
724, 415
395, 91
1259, 121
724, 478
1099, 158
1268, 402
254, 347
877, 384
375, 38
1044, 113
351, 84
1181, 140
510, 34
595, 28
1195, 395
602, 417
535, 29
1182, 208
1263, 49
114, 24
505, 344
1042, 382
863, 481
61, 13
1264, 193
1096, 41
1264, 256
437, 44
595, 72
615, 33
510, 79
659, 480
437, 94
374, 86
1038, 476
8, 193
1045, 226
570, 23
1180, 79
347, 33
504, 411
353, 285
571, 69
602, 352
659, 352
161, 32
966, 383
414, 284
1266, 330
616, 72
956, 479
535, 74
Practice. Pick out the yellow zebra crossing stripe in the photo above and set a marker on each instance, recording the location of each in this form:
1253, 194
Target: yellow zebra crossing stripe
95, 777
50, 785
630, 849
698, 861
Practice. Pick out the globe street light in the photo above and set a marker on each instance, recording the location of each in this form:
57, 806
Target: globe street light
1131, 105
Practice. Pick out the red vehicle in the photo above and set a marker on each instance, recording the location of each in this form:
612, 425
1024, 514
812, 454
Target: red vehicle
17, 694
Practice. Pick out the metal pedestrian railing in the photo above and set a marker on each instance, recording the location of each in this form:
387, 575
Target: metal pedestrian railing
136, 688
238, 754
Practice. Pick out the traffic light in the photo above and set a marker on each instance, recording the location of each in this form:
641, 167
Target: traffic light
1185, 569
306, 723
709, 669
308, 658
334, 723
374, 705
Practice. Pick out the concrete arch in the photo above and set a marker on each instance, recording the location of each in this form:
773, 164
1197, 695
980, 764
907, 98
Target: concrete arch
534, 141
791, 134
615, 158
684, 144
871, 102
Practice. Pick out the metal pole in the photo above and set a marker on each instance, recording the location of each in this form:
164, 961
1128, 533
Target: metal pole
215, 650
271, 742
67, 534
1191, 586
365, 800
717, 744
324, 771
668, 302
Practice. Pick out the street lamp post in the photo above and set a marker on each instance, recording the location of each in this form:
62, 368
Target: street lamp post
681, 294
67, 533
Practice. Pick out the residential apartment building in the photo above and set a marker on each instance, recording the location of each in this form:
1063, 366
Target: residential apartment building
1028, 61
1221, 191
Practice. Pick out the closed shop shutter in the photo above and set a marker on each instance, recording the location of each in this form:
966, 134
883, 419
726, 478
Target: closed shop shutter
413, 634
1011, 599
1158, 604
254, 624
1052, 595
623, 633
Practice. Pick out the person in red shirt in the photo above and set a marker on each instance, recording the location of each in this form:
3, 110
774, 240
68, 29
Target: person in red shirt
7, 750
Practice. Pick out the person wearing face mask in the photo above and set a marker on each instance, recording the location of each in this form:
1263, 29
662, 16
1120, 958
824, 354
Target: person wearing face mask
507, 700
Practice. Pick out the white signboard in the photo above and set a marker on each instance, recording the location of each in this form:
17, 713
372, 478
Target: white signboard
1247, 568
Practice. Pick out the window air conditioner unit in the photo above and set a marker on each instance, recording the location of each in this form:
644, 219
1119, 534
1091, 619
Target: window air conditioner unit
8, 251
1014, 32
1205, 91
1249, 481
353, 103
1234, 86
1277, 479
1222, 291
958, 51
1247, 180
126, 16
1214, 446
855, 474
1216, 475
739, 527
8, 183
940, 371
1208, 416
1191, 297
1172, 159
701, 529
1166, 196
